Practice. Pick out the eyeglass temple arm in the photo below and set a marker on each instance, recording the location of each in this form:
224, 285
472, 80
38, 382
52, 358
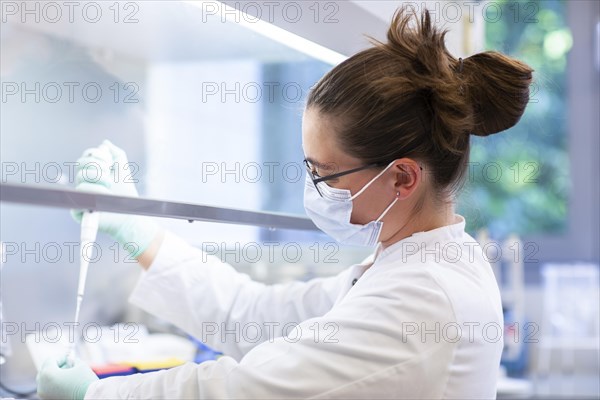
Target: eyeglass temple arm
340, 174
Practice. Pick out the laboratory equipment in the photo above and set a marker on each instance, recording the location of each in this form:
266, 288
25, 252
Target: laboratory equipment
70, 198
89, 229
570, 323
5, 349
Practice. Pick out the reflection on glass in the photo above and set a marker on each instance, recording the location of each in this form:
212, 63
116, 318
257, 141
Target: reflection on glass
208, 111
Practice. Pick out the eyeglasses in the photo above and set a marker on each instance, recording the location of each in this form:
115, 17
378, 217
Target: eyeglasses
316, 178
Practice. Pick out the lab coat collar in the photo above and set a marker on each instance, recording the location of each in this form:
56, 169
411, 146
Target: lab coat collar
447, 233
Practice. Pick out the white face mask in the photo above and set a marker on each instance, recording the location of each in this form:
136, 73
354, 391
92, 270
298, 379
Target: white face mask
332, 213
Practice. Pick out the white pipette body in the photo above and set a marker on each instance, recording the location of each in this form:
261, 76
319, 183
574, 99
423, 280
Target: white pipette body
89, 230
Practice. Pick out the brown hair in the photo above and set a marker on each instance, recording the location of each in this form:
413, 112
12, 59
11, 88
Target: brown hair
410, 97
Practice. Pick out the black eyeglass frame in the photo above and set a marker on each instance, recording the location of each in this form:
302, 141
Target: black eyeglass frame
336, 175
339, 174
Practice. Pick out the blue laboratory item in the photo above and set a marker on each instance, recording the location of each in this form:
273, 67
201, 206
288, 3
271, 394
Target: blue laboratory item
204, 353
517, 335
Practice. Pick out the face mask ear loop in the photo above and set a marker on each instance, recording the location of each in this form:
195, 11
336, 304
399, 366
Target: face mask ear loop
386, 210
371, 181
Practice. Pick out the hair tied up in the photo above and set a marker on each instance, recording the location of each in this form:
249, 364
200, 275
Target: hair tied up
410, 97
461, 89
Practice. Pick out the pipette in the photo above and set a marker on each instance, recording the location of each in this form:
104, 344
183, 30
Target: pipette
89, 229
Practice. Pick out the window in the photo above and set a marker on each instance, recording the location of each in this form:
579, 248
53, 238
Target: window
518, 180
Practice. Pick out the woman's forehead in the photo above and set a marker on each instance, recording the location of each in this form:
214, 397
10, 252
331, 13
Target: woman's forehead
320, 142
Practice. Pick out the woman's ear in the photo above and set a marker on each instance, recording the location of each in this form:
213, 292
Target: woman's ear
408, 176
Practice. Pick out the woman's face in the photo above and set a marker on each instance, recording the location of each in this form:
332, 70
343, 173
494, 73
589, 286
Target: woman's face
322, 149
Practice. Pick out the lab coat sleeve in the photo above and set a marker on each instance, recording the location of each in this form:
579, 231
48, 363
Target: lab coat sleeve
362, 348
221, 307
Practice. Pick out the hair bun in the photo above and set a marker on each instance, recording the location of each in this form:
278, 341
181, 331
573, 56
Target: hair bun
497, 86
482, 94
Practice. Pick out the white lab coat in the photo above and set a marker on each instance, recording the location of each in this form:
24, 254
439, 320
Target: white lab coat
423, 321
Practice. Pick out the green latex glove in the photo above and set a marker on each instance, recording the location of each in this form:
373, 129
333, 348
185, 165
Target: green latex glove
55, 380
104, 169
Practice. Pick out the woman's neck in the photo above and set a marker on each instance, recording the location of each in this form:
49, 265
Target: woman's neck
429, 218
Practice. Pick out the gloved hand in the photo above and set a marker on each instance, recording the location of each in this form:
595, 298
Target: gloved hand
55, 380
104, 169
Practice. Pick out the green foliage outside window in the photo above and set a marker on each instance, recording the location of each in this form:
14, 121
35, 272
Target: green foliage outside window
518, 179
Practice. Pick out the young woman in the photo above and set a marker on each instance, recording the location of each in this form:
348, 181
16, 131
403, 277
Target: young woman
386, 139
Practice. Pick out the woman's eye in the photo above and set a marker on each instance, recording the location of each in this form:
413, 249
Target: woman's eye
314, 172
